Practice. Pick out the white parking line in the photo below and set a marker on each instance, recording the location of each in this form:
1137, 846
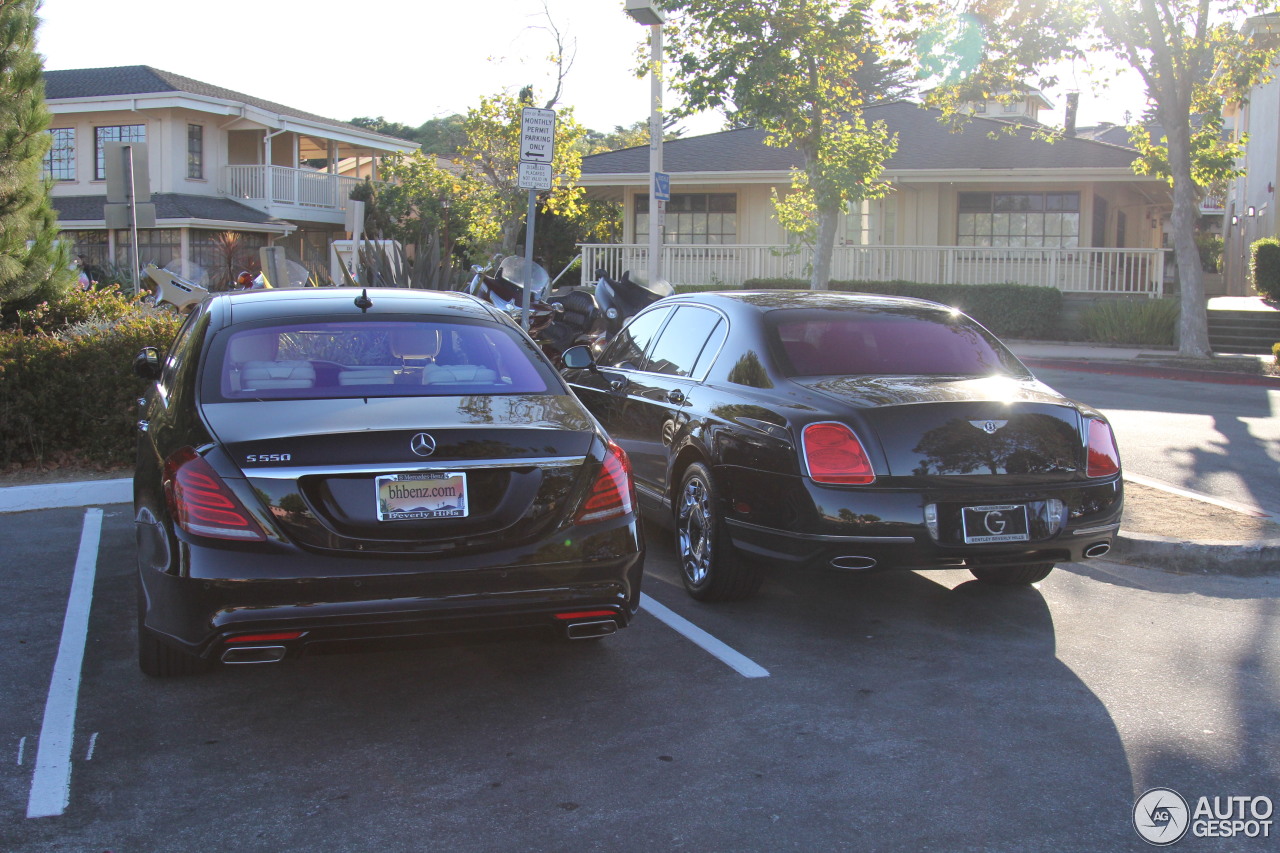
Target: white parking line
739, 662
51, 783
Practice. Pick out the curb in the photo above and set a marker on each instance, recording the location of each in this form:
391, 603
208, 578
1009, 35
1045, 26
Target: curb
63, 495
1124, 368
1258, 558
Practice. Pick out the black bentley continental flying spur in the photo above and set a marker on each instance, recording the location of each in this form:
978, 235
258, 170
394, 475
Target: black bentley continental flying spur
854, 432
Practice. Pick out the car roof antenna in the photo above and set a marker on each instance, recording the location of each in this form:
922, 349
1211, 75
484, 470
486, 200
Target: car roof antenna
363, 302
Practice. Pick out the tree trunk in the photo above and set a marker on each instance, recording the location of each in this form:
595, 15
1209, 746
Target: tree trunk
828, 222
1193, 330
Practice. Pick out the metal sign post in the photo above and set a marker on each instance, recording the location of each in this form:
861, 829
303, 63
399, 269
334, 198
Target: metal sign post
128, 195
537, 150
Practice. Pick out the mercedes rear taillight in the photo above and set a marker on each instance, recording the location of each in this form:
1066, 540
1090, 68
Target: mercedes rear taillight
612, 494
1103, 458
834, 455
201, 503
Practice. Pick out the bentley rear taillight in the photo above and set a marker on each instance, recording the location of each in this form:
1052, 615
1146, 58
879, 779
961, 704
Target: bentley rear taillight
1104, 459
611, 495
835, 455
200, 502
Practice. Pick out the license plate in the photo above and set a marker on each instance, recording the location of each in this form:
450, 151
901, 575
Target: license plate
1002, 523
422, 495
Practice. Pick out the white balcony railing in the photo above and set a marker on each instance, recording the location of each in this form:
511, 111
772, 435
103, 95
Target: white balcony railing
1079, 270
282, 187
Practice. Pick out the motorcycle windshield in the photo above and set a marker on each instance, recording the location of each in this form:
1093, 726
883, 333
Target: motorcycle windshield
660, 288
516, 270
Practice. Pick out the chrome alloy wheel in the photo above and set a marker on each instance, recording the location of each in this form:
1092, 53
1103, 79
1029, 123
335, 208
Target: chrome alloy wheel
694, 524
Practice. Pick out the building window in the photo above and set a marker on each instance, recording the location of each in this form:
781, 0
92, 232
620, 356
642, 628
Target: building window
693, 218
195, 151
1032, 220
982, 108
117, 133
1011, 109
60, 159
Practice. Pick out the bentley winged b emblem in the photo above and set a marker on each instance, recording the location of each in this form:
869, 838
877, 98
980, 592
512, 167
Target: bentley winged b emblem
989, 427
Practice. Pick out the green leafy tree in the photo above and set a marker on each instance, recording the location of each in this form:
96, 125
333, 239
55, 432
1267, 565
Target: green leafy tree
1192, 55
798, 70
492, 154
33, 263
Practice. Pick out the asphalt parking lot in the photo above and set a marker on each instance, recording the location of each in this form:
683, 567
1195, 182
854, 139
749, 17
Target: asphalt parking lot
878, 712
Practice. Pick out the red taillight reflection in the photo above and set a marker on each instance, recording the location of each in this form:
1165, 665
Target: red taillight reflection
201, 503
1104, 459
585, 614
263, 638
834, 455
611, 495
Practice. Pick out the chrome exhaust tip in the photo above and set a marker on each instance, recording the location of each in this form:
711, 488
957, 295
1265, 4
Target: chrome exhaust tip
254, 654
590, 630
854, 563
1099, 550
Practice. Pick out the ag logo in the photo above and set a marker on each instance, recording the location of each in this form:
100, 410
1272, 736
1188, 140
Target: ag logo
1161, 816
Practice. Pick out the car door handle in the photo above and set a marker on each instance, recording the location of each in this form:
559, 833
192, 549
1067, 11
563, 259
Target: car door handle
617, 383
143, 426
675, 395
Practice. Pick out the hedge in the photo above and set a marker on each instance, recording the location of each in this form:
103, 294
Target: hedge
1264, 267
1008, 310
71, 395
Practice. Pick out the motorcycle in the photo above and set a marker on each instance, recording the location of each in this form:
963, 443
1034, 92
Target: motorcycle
505, 287
623, 298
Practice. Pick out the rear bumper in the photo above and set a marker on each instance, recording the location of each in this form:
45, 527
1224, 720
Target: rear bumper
889, 532
218, 593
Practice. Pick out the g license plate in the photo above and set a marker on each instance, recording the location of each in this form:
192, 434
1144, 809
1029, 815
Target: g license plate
1002, 523
422, 495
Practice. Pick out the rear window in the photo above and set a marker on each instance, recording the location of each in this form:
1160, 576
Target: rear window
879, 342
375, 358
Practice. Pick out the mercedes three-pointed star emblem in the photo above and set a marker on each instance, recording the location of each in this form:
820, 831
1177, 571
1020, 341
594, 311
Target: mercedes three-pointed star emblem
422, 444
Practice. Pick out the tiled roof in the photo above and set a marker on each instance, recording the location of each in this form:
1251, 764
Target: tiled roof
923, 143
145, 80
88, 208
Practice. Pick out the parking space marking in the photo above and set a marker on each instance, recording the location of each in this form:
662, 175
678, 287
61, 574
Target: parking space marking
737, 661
51, 782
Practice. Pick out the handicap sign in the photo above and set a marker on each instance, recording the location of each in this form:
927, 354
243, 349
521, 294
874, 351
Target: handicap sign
662, 186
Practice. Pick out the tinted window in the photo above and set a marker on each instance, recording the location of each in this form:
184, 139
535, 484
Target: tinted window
627, 349
882, 342
682, 341
353, 359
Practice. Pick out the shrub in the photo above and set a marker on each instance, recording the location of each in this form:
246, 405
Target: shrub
1147, 322
1264, 267
1008, 310
1275, 353
71, 394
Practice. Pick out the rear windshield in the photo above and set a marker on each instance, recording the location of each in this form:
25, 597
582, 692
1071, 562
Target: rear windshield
375, 358
841, 343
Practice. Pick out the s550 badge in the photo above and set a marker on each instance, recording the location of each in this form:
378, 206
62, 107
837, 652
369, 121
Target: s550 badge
268, 457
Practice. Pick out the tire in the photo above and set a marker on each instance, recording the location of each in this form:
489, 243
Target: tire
1012, 575
160, 660
709, 567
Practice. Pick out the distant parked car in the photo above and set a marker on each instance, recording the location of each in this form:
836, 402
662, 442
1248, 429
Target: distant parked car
321, 466
848, 431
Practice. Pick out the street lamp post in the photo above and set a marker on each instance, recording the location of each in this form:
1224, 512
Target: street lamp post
645, 12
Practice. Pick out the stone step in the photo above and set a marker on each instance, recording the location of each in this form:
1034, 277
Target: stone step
1244, 331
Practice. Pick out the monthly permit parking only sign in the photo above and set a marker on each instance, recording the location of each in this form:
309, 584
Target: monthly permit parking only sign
537, 135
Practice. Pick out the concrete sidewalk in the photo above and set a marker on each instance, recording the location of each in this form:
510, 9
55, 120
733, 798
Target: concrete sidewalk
1154, 362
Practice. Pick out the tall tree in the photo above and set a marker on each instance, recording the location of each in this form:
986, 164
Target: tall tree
33, 264
1191, 54
798, 70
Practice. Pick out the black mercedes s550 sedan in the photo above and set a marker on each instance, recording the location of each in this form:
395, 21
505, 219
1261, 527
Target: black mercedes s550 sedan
848, 431
326, 466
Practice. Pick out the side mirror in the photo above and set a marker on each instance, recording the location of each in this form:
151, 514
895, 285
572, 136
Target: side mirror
578, 358
146, 364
